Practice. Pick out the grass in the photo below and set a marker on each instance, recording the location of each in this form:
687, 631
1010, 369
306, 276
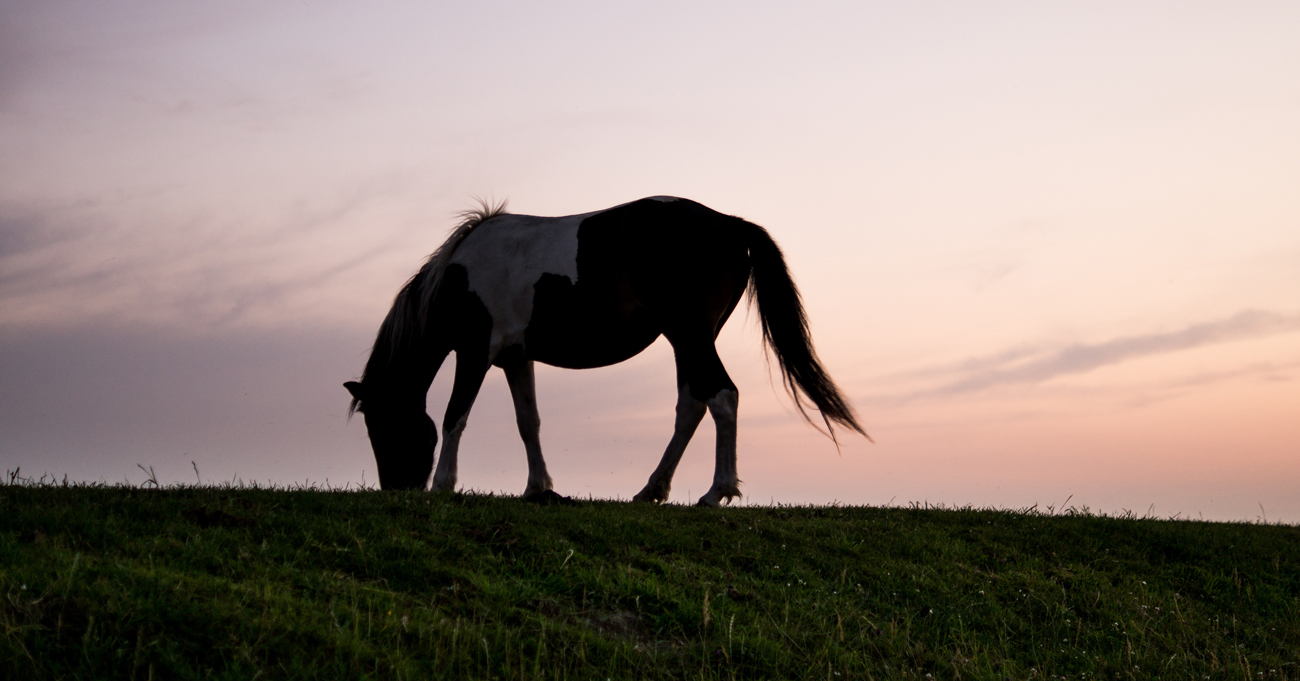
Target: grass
119, 582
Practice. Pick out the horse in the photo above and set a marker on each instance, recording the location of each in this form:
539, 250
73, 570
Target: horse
578, 292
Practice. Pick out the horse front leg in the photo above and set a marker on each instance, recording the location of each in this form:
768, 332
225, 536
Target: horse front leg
470, 371
523, 390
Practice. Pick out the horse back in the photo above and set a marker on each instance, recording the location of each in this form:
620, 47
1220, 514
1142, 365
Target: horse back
595, 289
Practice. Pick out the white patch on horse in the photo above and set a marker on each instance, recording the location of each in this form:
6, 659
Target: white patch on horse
506, 256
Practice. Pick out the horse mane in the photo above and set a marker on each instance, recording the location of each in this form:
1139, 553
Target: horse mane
407, 320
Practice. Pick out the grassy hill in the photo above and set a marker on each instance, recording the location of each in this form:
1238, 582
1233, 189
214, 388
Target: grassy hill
114, 582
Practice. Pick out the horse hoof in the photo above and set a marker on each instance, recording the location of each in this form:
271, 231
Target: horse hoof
548, 498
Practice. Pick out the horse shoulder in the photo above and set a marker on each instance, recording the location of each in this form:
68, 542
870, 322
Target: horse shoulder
506, 256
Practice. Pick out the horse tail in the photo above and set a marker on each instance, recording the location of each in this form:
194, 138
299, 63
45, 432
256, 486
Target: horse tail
785, 333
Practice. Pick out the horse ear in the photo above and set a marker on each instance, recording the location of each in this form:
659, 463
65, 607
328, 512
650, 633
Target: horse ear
357, 390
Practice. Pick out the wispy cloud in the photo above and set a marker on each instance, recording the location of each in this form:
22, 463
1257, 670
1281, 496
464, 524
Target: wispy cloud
1264, 372
1028, 365
69, 264
1082, 358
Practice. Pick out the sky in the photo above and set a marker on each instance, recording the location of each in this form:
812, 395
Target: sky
1050, 251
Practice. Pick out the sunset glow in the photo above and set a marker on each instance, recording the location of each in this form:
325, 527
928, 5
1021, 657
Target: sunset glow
1050, 252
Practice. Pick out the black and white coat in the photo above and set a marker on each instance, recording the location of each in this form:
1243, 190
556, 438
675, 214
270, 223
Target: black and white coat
582, 291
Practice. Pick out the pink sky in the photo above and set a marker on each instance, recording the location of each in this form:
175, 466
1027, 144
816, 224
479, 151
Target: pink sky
1049, 252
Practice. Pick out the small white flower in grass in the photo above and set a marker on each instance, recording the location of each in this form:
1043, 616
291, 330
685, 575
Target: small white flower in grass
24, 587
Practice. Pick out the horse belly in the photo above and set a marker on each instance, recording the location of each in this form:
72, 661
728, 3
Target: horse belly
581, 327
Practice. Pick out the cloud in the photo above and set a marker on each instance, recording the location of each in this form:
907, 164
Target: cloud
19, 234
328, 259
36, 243
1082, 358
1029, 365
1264, 372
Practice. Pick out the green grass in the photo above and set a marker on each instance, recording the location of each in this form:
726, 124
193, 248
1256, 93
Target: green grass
115, 582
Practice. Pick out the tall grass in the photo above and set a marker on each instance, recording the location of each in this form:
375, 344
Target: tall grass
203, 582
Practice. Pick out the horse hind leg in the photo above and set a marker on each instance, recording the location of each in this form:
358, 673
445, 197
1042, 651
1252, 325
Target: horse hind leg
710, 383
726, 484
690, 412
703, 385
523, 390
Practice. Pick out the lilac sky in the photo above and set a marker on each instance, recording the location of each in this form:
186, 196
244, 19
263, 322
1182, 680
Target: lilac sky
1051, 251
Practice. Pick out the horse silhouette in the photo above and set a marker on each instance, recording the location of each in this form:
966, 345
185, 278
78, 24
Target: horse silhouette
583, 291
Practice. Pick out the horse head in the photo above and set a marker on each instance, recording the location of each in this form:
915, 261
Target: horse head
402, 435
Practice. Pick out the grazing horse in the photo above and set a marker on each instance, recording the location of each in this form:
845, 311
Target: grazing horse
582, 291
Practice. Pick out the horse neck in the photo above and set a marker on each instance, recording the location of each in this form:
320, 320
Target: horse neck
406, 372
